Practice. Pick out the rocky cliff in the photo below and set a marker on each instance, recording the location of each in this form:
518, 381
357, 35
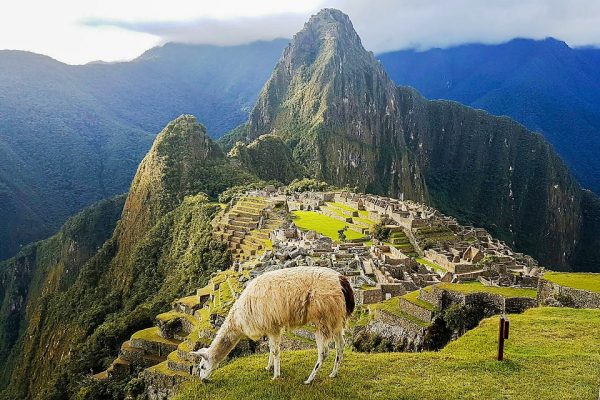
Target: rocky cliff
347, 123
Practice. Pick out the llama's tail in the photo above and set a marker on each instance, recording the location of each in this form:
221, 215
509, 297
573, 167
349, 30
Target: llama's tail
348, 294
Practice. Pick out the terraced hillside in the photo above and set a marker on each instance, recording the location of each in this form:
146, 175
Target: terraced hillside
245, 226
166, 346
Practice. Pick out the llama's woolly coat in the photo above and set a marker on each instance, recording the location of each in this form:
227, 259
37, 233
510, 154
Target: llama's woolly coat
289, 298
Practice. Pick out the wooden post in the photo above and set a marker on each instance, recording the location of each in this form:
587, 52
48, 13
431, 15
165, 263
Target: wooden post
501, 340
502, 335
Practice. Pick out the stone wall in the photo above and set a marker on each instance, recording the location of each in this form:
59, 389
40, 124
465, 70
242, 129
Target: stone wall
394, 289
407, 335
368, 296
161, 386
552, 294
413, 309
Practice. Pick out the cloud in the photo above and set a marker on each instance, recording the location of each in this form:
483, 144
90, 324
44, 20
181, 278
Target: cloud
398, 24
214, 31
422, 24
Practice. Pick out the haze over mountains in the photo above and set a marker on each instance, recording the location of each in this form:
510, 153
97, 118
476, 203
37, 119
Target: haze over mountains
72, 135
545, 84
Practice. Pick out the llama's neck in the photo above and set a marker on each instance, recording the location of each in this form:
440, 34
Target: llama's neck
227, 338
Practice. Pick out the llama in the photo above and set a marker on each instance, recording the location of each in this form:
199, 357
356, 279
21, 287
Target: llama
285, 299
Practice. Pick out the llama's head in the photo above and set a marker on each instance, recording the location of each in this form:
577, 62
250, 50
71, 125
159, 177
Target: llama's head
207, 364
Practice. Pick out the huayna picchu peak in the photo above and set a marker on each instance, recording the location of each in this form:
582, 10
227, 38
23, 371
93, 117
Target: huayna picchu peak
347, 123
346, 210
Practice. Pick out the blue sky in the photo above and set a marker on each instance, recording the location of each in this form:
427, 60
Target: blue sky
79, 31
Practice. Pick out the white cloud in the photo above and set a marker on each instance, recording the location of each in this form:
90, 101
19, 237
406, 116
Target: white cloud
78, 31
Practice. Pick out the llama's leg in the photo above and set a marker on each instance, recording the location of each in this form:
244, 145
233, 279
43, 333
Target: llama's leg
322, 353
271, 348
339, 353
276, 350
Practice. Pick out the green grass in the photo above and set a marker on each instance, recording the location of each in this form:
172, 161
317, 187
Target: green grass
585, 281
323, 224
172, 315
413, 297
151, 335
346, 207
552, 354
428, 263
392, 307
477, 287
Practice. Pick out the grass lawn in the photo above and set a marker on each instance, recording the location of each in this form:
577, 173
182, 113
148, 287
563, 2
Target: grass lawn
475, 287
585, 281
345, 207
413, 297
392, 307
431, 264
151, 335
323, 224
552, 353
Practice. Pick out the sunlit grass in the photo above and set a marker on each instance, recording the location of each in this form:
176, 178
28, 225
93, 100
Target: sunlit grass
475, 287
323, 224
585, 281
552, 353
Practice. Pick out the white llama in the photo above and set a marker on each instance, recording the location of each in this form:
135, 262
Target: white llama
285, 299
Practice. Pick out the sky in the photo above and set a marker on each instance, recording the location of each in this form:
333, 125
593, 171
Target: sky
80, 31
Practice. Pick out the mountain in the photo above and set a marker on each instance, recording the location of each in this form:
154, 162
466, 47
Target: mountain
70, 300
72, 135
329, 111
544, 84
347, 123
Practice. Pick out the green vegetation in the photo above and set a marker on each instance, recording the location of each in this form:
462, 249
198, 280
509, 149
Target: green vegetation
413, 297
45, 267
381, 233
552, 354
268, 158
476, 287
431, 264
323, 224
94, 123
392, 307
585, 281
116, 293
152, 335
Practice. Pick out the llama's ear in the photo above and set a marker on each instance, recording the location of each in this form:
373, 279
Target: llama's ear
202, 353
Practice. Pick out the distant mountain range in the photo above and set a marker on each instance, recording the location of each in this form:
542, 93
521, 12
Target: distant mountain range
544, 84
72, 135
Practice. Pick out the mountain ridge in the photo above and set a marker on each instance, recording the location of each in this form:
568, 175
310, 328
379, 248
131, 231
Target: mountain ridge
546, 85
74, 134
348, 124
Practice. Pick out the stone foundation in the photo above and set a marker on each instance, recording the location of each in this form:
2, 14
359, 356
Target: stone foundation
552, 294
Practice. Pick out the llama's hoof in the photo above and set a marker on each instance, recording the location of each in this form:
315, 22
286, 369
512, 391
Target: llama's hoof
275, 378
268, 368
332, 375
307, 382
